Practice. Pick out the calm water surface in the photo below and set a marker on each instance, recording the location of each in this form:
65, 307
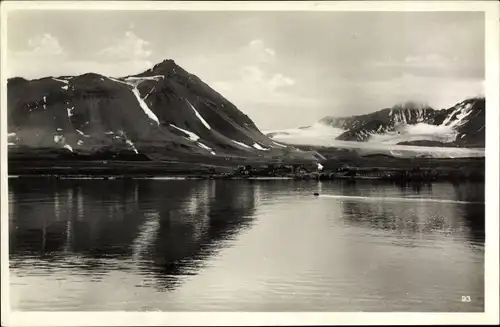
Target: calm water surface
176, 245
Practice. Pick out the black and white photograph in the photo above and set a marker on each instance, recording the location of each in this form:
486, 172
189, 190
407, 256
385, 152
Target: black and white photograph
202, 158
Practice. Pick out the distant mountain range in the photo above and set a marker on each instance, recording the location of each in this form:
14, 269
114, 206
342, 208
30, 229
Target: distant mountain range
462, 125
163, 112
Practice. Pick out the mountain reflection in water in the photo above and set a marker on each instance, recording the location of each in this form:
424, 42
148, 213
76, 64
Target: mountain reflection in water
165, 228
244, 246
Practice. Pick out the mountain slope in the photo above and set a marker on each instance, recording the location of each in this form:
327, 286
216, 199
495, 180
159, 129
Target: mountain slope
161, 113
413, 124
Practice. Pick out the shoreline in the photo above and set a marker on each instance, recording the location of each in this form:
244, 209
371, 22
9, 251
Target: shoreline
76, 177
337, 165
395, 178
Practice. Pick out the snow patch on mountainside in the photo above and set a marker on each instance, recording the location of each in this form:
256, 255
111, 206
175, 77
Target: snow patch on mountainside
132, 146
138, 80
203, 146
199, 116
118, 81
259, 147
141, 102
81, 133
60, 80
149, 93
145, 107
279, 144
241, 144
60, 139
192, 136
460, 113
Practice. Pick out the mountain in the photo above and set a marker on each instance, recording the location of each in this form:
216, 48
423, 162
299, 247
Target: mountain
462, 125
162, 113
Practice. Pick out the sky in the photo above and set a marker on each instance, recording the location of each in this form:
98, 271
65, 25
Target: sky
283, 69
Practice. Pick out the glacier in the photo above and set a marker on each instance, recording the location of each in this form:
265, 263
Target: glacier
323, 135
417, 132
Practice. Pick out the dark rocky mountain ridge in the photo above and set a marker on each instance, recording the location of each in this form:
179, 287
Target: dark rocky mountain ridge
466, 119
164, 112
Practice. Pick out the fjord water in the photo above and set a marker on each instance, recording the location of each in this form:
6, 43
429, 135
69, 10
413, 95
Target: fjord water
181, 245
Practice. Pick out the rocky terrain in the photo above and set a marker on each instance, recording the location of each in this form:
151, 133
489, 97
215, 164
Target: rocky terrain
164, 113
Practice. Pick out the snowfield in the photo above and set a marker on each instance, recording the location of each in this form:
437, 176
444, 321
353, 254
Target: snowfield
322, 135
317, 134
317, 130
417, 132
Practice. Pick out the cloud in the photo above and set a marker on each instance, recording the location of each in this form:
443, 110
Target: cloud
255, 78
451, 90
32, 68
279, 80
38, 58
130, 47
251, 77
259, 51
370, 95
257, 82
431, 60
425, 65
254, 70
127, 55
44, 45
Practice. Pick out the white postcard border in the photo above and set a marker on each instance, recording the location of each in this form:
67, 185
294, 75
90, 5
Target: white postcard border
490, 316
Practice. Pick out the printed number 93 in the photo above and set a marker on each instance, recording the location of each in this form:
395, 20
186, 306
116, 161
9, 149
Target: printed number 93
466, 299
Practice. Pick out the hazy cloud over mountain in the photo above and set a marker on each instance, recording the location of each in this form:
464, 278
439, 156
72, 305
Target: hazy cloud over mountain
283, 69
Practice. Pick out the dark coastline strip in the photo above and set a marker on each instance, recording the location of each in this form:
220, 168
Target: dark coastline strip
341, 168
